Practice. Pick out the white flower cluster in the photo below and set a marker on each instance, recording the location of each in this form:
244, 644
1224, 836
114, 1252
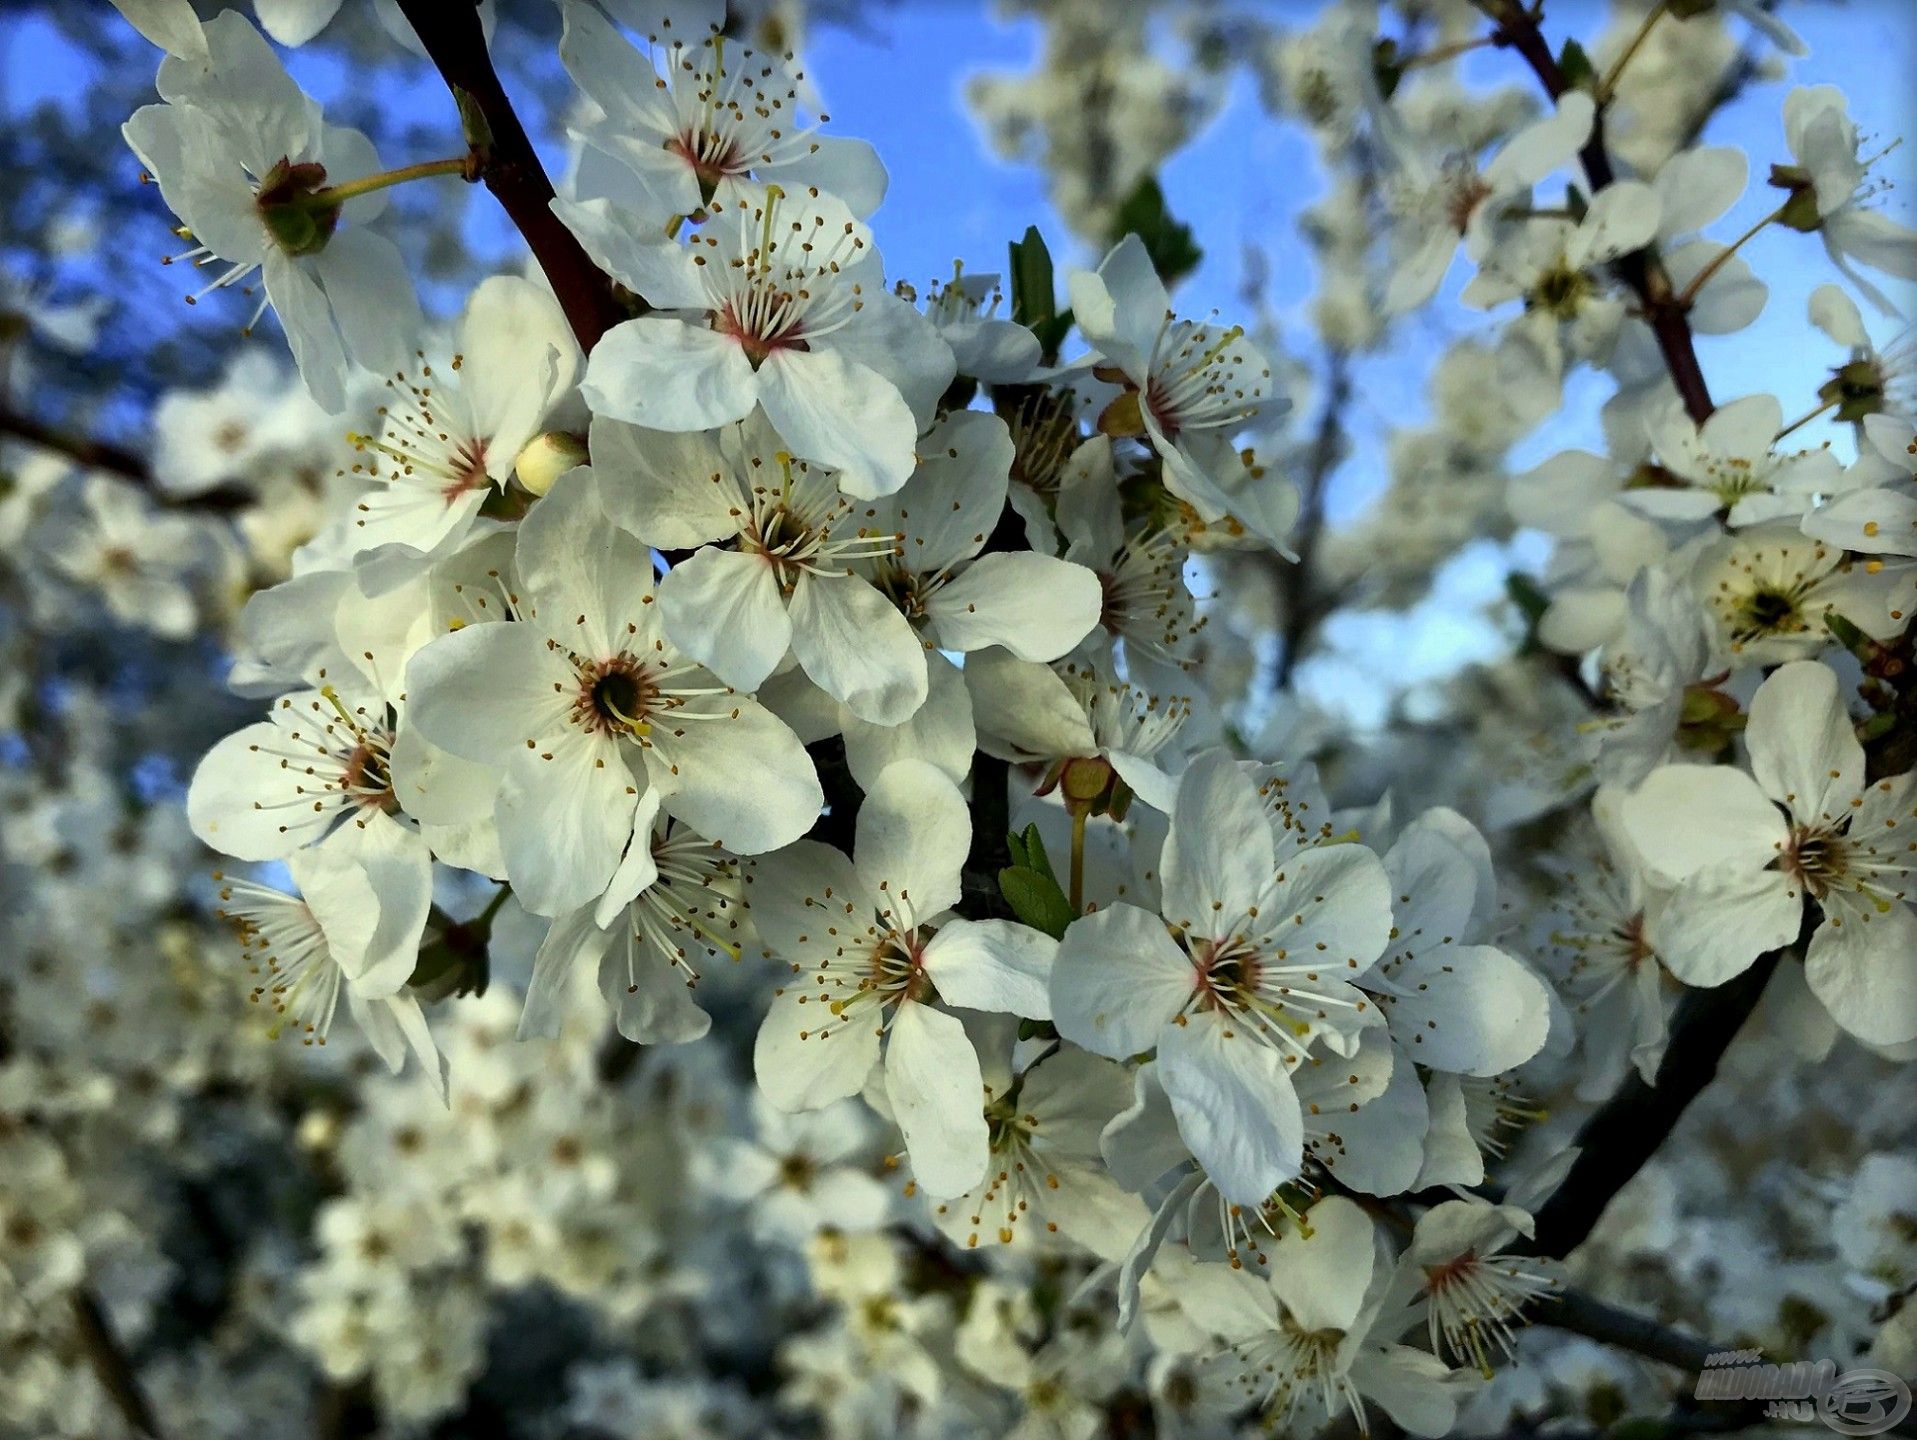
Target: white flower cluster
789, 760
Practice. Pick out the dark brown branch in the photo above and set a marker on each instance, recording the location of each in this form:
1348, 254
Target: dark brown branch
450, 31
1663, 312
82, 450
94, 454
1627, 1130
1586, 1315
1616, 1142
110, 1363
980, 898
617, 1057
1302, 608
1613, 1325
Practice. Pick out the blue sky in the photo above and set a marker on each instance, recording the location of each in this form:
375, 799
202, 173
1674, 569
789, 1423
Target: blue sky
899, 81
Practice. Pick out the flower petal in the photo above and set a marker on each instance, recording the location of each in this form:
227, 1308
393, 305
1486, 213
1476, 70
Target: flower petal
932, 1079
1118, 981
665, 374
1235, 1105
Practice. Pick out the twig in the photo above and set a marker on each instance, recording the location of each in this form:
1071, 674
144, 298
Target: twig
617, 1057
93, 454
451, 34
1663, 311
1586, 1315
1295, 581
1627, 1130
979, 895
81, 449
1595, 1319
110, 1363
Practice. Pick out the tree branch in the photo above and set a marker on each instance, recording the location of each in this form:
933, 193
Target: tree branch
1295, 582
1616, 1141
110, 1363
1627, 1130
93, 454
1663, 312
1586, 1315
450, 31
979, 895
81, 449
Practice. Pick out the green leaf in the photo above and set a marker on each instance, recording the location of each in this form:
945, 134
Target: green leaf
1850, 637
474, 127
1531, 601
1034, 298
1173, 251
1579, 72
1036, 856
1036, 899
1027, 849
1015, 847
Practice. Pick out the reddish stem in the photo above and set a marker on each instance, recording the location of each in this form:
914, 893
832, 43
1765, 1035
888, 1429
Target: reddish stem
450, 31
1663, 311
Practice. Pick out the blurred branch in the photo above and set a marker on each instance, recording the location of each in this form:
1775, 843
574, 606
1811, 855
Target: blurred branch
95, 454
1302, 609
1663, 311
104, 455
980, 896
450, 31
617, 1056
1586, 1315
110, 1363
1624, 1133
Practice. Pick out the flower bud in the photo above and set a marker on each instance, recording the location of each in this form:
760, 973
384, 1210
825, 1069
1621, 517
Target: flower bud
1089, 786
547, 457
1709, 720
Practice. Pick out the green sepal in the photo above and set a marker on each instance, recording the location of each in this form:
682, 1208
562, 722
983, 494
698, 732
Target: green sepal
1579, 72
1035, 899
1034, 298
1173, 251
1027, 848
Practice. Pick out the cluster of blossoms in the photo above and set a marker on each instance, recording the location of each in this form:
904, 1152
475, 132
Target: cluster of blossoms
759, 787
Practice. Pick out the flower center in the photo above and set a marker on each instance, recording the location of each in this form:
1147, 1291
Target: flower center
713, 156
1045, 432
1464, 191
778, 282
797, 1172
1818, 859
785, 539
1198, 383
1768, 611
368, 775
1630, 936
898, 967
1225, 973
616, 697
1561, 291
907, 591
